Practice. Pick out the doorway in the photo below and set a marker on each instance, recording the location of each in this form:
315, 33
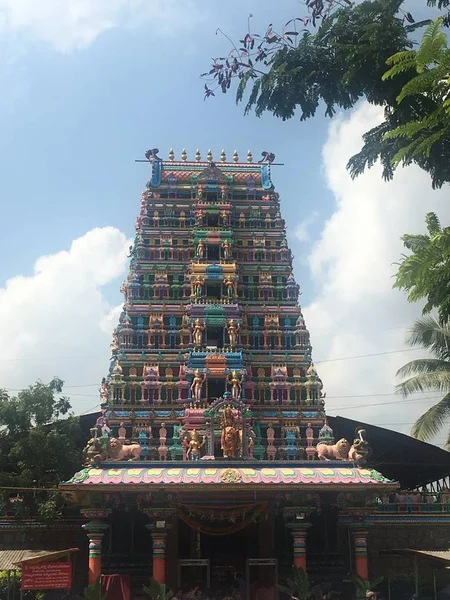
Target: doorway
216, 388
214, 290
214, 336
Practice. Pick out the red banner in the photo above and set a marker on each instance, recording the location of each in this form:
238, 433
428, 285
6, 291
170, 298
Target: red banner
46, 576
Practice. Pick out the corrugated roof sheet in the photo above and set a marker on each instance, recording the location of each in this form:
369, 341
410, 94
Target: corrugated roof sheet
10, 560
442, 556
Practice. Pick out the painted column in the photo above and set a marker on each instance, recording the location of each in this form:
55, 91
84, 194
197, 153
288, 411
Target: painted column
95, 530
299, 531
159, 556
360, 548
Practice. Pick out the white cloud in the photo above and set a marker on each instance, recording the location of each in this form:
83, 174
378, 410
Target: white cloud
303, 229
55, 322
356, 311
73, 24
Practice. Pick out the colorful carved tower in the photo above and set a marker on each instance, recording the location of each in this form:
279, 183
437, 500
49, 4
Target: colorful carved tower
211, 357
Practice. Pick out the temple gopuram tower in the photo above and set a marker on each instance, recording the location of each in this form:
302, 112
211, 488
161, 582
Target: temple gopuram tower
206, 459
211, 317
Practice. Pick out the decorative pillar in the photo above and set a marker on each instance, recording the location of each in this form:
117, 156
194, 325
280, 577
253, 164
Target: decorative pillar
95, 530
360, 549
158, 530
299, 531
159, 556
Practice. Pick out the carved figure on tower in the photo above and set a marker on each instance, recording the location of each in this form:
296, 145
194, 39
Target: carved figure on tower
235, 385
229, 286
309, 435
230, 434
200, 250
92, 453
117, 451
200, 214
152, 155
197, 385
360, 450
224, 218
115, 343
232, 329
267, 157
226, 249
194, 446
197, 334
104, 391
197, 287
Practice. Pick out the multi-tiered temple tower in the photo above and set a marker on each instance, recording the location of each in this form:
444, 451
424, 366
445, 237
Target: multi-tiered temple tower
211, 319
212, 395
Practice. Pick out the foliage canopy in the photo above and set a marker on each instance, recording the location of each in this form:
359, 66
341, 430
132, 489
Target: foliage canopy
38, 448
429, 374
424, 273
342, 62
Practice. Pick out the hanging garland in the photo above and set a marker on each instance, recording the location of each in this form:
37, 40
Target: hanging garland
226, 520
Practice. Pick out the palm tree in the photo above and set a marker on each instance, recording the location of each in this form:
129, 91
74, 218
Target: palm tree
429, 374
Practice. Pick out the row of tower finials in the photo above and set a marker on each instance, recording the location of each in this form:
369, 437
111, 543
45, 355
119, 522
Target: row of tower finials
152, 155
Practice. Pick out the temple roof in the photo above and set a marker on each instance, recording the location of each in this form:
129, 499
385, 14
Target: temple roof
260, 477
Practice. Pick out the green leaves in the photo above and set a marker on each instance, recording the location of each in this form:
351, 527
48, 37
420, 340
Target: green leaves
431, 63
37, 449
429, 374
298, 585
425, 273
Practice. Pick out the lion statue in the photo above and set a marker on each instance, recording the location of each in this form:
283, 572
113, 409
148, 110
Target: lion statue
339, 451
118, 451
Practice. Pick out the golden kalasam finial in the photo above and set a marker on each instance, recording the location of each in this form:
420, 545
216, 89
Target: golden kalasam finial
249, 156
171, 154
198, 156
223, 156
209, 156
235, 156
184, 155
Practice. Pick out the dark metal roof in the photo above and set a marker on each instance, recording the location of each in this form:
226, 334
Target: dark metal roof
398, 456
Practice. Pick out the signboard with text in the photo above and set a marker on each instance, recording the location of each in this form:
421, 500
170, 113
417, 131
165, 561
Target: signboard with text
46, 576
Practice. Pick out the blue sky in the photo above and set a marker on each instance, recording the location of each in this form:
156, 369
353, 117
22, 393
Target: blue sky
81, 118
86, 89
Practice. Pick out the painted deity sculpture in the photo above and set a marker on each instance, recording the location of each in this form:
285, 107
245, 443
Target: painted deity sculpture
226, 249
162, 434
270, 432
197, 287
309, 435
232, 333
93, 452
229, 286
197, 334
194, 446
230, 434
360, 451
122, 432
200, 250
235, 385
197, 385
